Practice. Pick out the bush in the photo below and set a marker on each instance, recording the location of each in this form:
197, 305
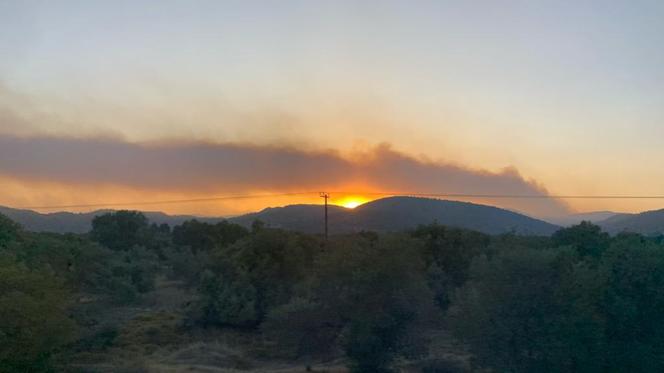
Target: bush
149, 331
33, 320
224, 302
303, 329
187, 266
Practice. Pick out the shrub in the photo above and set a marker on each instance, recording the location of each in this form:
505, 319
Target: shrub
224, 302
33, 320
150, 330
303, 328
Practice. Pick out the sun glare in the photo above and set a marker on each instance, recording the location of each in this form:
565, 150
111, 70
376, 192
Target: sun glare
351, 202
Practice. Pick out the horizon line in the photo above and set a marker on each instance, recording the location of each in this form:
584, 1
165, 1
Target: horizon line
386, 194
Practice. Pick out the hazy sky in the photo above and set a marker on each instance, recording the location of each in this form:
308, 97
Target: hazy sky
569, 93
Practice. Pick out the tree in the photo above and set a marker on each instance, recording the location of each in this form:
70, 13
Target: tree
9, 231
367, 295
530, 310
247, 279
448, 253
633, 305
86, 266
273, 261
120, 230
379, 292
586, 238
200, 236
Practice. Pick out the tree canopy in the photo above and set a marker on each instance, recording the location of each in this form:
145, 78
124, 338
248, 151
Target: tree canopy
580, 300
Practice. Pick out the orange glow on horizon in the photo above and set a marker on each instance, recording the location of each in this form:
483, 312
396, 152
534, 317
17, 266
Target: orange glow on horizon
18, 193
350, 202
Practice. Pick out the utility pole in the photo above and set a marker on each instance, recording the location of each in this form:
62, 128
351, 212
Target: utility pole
326, 196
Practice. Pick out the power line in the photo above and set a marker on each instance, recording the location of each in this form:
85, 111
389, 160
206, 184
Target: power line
314, 193
507, 196
172, 201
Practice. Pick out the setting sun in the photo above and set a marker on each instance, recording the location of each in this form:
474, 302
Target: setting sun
351, 202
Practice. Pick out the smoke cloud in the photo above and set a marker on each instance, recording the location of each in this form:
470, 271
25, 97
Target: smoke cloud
198, 167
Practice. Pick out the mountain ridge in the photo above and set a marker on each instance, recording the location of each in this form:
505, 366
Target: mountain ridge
647, 222
386, 214
81, 222
595, 217
399, 213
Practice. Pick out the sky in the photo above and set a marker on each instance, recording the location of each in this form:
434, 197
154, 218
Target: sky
107, 101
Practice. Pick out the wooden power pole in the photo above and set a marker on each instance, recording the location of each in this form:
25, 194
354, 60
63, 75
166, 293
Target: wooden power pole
326, 196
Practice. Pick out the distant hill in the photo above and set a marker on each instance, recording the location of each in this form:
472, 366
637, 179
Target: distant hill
68, 222
388, 214
648, 223
399, 213
572, 219
303, 218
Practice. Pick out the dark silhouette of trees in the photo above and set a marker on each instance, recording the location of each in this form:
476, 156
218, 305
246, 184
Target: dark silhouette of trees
120, 230
204, 237
578, 301
9, 231
587, 239
447, 254
33, 317
523, 311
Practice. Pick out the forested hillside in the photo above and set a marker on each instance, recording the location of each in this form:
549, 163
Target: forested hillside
130, 296
395, 214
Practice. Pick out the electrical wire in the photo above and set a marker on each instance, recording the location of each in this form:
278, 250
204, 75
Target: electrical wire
316, 193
